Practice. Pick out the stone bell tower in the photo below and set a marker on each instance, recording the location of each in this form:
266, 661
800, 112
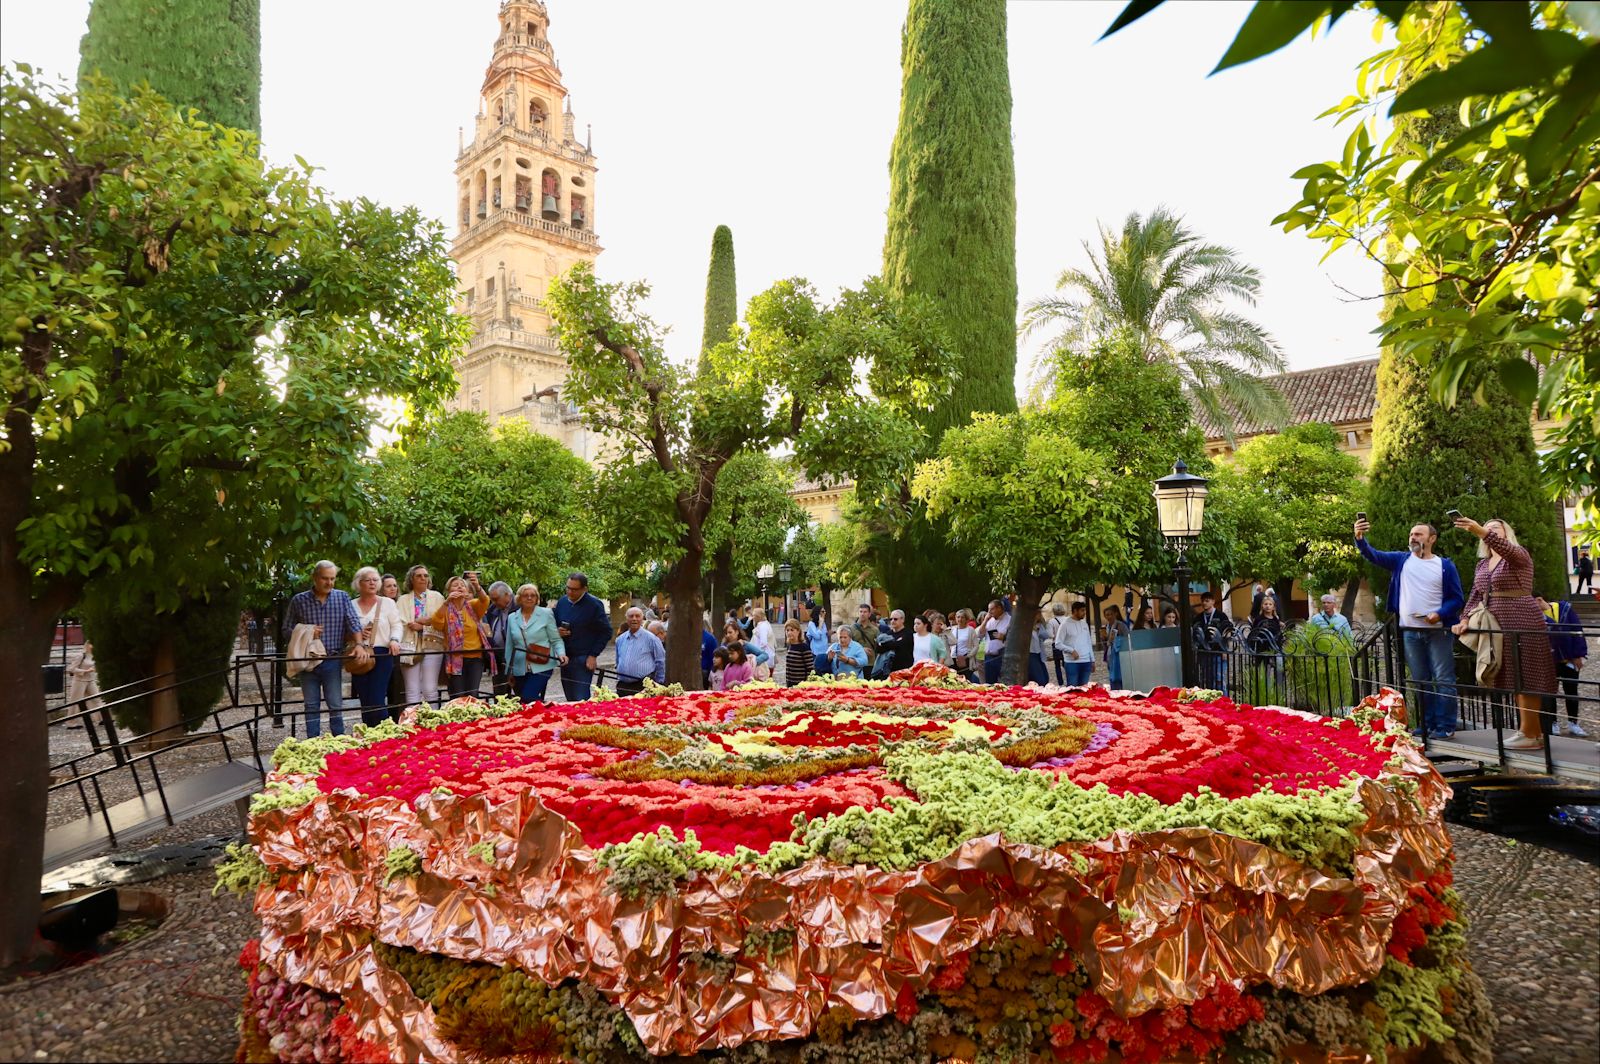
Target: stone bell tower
526, 208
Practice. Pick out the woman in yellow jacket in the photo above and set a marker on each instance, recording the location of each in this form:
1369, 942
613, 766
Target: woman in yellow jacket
465, 603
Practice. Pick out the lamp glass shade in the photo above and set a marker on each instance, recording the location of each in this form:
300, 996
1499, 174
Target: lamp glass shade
1181, 503
785, 571
764, 573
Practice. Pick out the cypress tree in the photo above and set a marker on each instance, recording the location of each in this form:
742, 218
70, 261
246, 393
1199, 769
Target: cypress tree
1477, 457
722, 295
722, 310
952, 239
204, 54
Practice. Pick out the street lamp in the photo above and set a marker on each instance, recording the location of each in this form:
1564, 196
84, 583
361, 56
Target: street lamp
1181, 510
785, 573
764, 577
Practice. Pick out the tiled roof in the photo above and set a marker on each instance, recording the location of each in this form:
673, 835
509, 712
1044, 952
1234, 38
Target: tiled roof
1331, 394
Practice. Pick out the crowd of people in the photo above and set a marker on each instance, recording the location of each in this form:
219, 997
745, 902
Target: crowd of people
400, 638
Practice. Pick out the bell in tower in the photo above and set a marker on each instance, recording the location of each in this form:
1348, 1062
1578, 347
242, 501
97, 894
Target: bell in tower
550, 202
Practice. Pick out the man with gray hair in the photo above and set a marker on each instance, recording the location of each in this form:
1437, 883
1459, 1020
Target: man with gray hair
1330, 619
334, 620
640, 655
494, 622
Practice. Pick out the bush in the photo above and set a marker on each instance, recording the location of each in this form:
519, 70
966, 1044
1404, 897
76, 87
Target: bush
1320, 674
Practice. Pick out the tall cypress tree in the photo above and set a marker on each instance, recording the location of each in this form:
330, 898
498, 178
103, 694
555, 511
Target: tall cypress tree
952, 239
204, 54
1477, 457
722, 310
722, 292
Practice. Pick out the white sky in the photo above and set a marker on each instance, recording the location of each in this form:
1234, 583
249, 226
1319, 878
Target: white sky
776, 120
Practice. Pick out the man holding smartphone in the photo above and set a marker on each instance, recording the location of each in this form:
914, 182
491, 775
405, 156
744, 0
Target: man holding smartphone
1425, 594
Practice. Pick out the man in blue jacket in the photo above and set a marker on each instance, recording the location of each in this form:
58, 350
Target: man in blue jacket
1425, 594
586, 629
1570, 648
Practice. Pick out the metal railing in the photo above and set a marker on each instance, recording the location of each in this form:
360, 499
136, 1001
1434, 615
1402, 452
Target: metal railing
1321, 671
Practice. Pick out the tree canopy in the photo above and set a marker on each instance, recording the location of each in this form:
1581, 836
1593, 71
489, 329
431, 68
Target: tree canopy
838, 382
148, 252
456, 494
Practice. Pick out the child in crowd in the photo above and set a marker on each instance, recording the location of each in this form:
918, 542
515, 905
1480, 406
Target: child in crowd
738, 670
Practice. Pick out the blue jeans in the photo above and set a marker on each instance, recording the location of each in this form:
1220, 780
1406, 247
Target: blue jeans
531, 686
1430, 659
576, 680
1213, 669
325, 683
373, 688
991, 668
1037, 673
1077, 673
1061, 668
821, 664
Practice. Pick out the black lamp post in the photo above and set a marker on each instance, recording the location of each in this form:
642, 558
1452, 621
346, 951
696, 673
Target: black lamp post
1181, 509
764, 578
785, 574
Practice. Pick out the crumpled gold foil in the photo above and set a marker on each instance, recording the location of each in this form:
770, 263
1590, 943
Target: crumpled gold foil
1157, 918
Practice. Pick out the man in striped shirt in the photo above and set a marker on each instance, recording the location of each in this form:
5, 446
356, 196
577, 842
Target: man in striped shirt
336, 622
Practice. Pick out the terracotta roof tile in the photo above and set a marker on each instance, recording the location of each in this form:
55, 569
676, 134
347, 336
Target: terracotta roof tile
1331, 394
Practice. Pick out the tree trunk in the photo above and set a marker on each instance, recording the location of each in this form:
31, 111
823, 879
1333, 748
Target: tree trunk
25, 634
1351, 591
166, 720
1014, 659
682, 583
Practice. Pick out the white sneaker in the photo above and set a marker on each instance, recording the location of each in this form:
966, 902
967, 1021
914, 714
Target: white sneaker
1559, 728
1574, 728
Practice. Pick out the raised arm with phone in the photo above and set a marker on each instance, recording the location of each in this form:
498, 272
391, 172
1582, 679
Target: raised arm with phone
1425, 596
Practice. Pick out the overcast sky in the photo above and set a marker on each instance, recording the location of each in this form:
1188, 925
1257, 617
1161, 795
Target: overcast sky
776, 119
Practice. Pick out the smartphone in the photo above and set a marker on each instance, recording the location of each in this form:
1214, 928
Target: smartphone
1361, 515
1453, 514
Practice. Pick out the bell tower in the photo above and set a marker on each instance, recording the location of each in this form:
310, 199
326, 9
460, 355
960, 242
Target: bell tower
525, 192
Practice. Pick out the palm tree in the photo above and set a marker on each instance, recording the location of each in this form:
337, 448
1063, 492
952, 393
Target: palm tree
1157, 281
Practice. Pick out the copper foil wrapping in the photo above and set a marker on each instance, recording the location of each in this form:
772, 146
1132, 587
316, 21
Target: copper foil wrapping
1204, 906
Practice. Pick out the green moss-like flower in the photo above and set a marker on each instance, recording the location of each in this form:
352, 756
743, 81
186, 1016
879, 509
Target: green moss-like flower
240, 871
399, 862
278, 795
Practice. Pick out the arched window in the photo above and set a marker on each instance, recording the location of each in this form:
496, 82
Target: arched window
537, 115
496, 197
466, 210
550, 195
524, 192
483, 193
580, 211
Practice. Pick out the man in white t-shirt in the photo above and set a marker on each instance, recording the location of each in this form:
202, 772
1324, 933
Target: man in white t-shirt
1075, 643
995, 627
1425, 594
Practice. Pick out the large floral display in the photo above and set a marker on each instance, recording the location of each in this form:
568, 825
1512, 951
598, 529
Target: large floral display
920, 870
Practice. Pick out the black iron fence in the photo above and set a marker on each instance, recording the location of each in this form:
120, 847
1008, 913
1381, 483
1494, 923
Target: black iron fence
1322, 670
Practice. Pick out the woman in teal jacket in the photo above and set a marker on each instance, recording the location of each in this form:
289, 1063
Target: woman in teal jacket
532, 625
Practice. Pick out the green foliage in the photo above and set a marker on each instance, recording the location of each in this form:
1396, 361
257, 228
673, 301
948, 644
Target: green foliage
722, 291
1155, 284
753, 516
1113, 400
1292, 498
401, 862
150, 251
1478, 458
458, 494
1019, 494
1319, 665
951, 238
204, 54
202, 631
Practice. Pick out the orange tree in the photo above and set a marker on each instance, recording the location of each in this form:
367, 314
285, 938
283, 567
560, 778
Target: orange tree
175, 316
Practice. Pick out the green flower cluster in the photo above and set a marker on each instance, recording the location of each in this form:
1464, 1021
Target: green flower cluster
279, 795
240, 871
399, 862
649, 866
768, 943
461, 710
483, 850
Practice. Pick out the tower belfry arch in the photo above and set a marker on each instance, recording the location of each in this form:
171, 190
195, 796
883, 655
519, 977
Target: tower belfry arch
526, 213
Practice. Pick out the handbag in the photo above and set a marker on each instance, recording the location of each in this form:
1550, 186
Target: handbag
537, 655
354, 663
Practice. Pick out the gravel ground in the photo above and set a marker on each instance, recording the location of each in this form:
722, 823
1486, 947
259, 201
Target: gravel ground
174, 995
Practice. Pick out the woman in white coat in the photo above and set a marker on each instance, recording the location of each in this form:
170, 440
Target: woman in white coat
381, 631
421, 645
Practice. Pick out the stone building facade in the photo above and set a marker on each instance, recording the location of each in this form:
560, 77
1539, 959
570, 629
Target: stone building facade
525, 190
